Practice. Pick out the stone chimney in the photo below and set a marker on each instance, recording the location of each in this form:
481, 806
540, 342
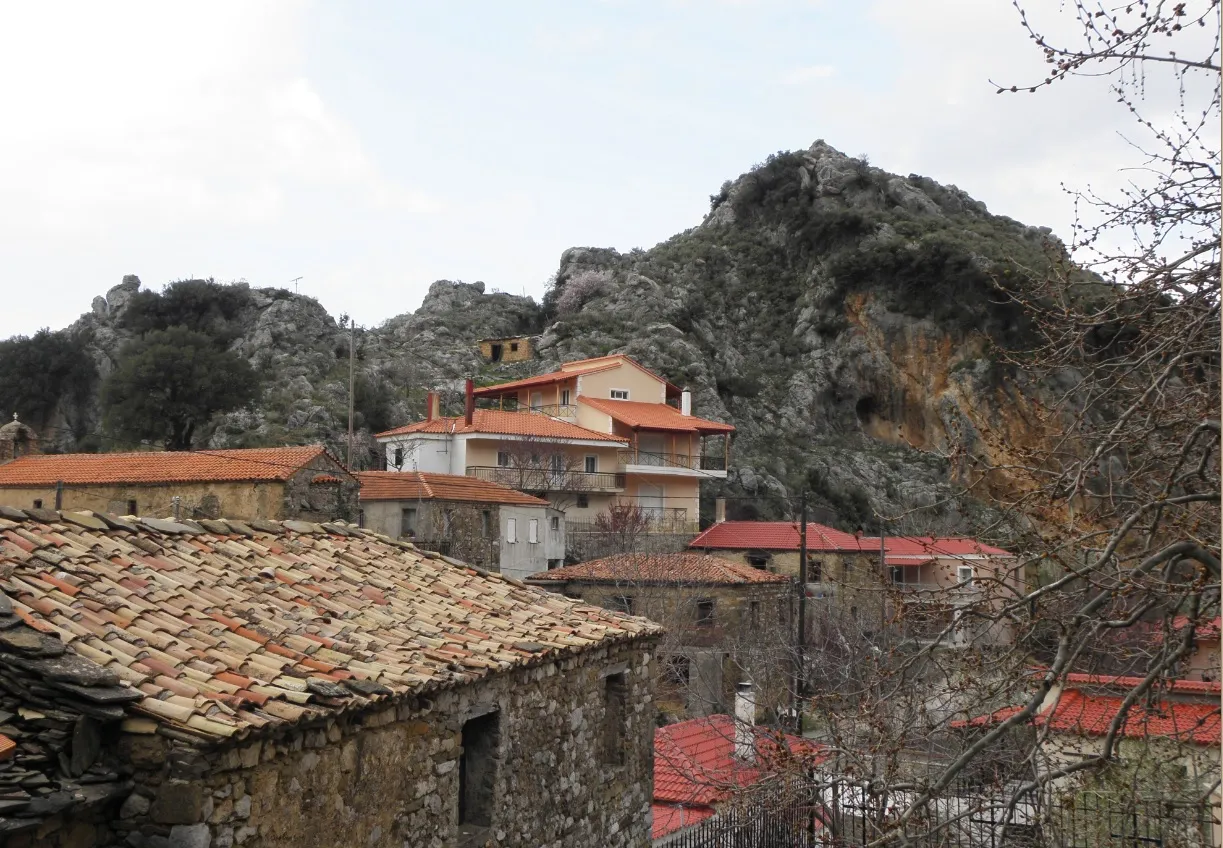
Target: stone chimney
17, 439
719, 510
469, 402
685, 402
433, 406
745, 723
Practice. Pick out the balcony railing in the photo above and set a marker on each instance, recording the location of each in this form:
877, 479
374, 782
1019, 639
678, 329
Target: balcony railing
657, 520
671, 460
935, 593
554, 410
547, 480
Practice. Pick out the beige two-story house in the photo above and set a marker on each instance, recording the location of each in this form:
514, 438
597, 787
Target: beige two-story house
592, 435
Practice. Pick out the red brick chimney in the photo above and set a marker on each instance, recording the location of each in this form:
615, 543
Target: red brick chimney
432, 406
469, 406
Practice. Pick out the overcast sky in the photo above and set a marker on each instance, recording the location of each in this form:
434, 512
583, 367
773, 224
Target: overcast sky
373, 147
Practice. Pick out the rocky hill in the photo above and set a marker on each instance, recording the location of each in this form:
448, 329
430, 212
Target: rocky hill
843, 318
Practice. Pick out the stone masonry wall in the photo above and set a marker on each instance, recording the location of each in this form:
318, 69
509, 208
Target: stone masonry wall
390, 777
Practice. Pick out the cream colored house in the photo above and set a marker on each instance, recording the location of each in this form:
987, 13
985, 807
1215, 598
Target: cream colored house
592, 434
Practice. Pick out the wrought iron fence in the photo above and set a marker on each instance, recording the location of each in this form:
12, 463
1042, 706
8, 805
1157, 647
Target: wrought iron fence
671, 460
530, 479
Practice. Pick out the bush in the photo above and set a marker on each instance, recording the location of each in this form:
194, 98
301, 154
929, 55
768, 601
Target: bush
580, 289
37, 371
204, 306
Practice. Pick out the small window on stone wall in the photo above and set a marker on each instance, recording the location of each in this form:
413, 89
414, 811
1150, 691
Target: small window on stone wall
480, 739
37, 503
615, 696
131, 508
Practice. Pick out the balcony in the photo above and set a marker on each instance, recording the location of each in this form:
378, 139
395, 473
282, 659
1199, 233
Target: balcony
545, 480
552, 410
671, 463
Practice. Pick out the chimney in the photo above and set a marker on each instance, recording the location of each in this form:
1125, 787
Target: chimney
745, 722
685, 402
433, 407
719, 510
469, 406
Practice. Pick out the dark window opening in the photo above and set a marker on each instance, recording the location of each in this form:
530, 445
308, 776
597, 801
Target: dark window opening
704, 613
592, 464
758, 559
815, 570
583, 501
478, 775
399, 457
753, 613
407, 521
131, 508
495, 353
555, 563
555, 524
486, 523
38, 503
622, 603
513, 347
615, 697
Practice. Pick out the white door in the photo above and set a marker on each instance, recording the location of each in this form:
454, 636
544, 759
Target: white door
650, 500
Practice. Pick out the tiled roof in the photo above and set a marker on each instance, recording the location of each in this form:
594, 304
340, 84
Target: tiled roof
496, 422
669, 818
783, 536
654, 416
546, 379
662, 568
1092, 715
228, 627
989, 720
1176, 684
159, 466
776, 536
421, 485
694, 761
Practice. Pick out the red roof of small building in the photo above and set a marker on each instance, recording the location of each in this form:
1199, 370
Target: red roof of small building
662, 568
1176, 684
776, 536
81, 469
1092, 715
669, 818
924, 548
497, 422
426, 486
654, 416
989, 720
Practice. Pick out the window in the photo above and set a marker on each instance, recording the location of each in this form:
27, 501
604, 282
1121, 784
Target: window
622, 603
131, 508
704, 613
619, 394
478, 772
557, 463
555, 563
583, 501
407, 521
513, 347
676, 669
757, 559
815, 570
564, 397
537, 400
592, 464
533, 531
753, 613
503, 459
399, 457
511, 530
486, 523
555, 523
964, 575
898, 573
38, 503
615, 697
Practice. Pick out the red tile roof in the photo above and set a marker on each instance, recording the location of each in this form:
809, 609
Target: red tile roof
694, 761
159, 466
654, 416
663, 568
420, 485
545, 379
669, 818
783, 536
501, 423
996, 717
1092, 715
224, 628
776, 536
1176, 684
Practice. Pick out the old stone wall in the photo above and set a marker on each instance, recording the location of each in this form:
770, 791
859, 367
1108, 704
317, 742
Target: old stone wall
391, 776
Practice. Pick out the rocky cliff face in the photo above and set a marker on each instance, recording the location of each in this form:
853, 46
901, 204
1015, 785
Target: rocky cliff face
843, 319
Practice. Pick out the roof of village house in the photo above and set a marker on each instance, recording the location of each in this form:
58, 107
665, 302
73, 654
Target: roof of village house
219, 466
1177, 685
784, 536
1092, 715
501, 423
654, 416
422, 485
663, 568
567, 370
223, 628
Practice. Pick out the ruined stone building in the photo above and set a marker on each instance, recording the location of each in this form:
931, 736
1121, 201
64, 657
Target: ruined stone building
269, 483
225, 683
725, 623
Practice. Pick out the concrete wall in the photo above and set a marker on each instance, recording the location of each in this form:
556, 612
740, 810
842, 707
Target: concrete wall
521, 558
389, 777
429, 453
641, 386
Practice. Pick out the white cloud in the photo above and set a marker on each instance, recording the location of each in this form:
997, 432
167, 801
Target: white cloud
811, 73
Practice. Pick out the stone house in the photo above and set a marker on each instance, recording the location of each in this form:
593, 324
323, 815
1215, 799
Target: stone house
219, 683
725, 623
17, 439
268, 483
510, 349
476, 521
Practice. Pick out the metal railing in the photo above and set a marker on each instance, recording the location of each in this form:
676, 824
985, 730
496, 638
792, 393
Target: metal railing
657, 520
547, 480
554, 410
671, 460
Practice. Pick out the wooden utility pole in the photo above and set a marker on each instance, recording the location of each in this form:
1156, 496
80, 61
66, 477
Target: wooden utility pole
352, 381
800, 678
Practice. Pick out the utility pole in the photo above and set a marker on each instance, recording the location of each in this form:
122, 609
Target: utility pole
883, 579
352, 381
295, 281
800, 679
